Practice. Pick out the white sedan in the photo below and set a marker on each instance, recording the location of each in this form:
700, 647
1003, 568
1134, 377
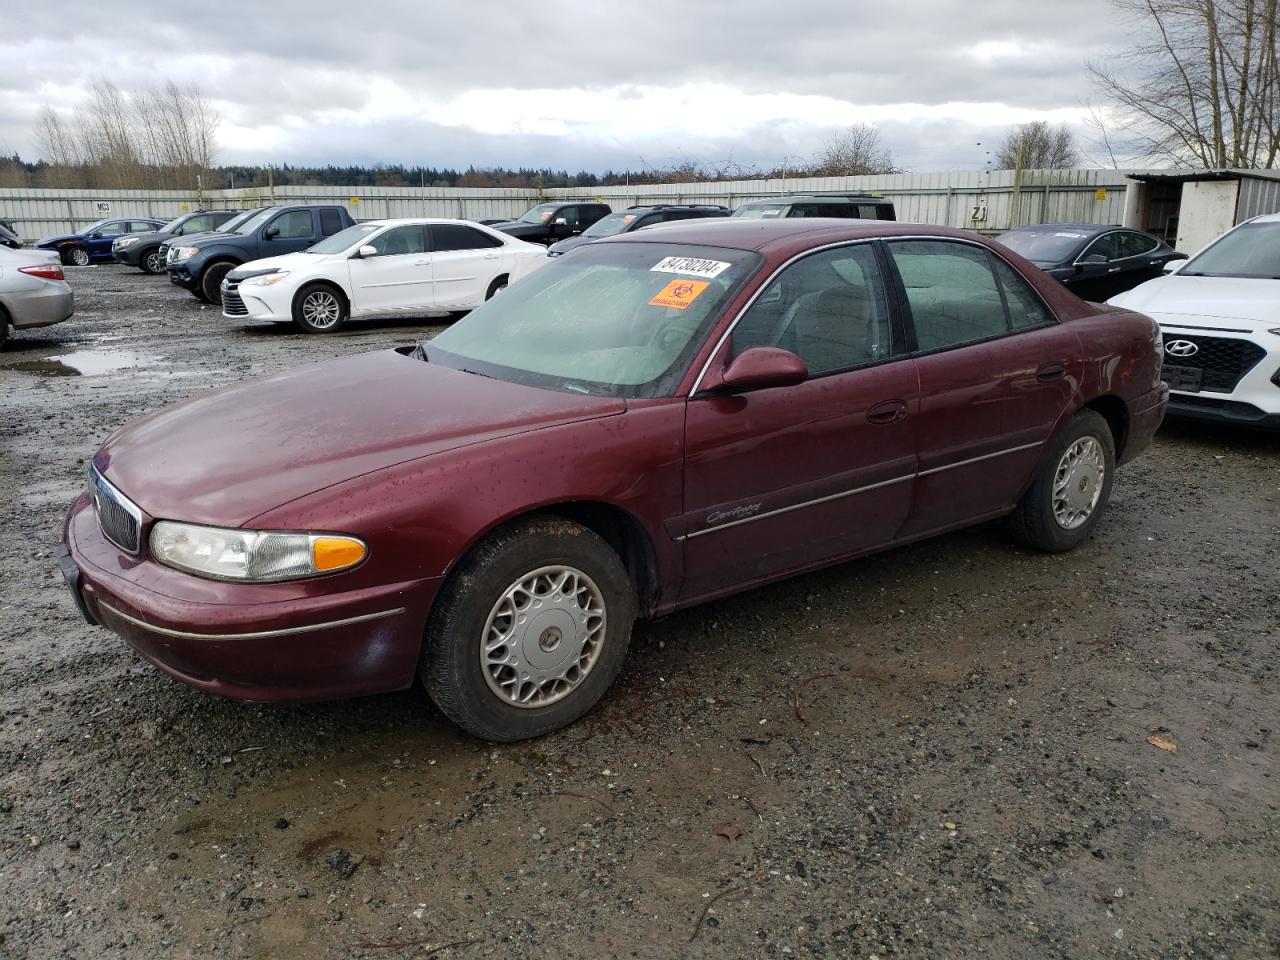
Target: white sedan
1219, 314
382, 268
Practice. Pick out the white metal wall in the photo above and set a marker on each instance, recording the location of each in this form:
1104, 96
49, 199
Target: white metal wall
980, 200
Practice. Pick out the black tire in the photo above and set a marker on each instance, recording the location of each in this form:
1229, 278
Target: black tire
4, 328
151, 261
75, 257
319, 308
1035, 521
199, 295
211, 280
450, 666
499, 284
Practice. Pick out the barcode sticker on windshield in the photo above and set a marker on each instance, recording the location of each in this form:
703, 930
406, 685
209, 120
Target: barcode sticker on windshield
693, 266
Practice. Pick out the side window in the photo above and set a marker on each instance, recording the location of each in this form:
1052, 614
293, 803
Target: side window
113, 229
293, 225
196, 225
456, 236
1136, 244
1026, 310
873, 211
805, 210
141, 226
828, 309
1107, 245
398, 241
569, 215
952, 292
330, 222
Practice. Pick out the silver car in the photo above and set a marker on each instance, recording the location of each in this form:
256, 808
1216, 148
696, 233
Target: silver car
33, 291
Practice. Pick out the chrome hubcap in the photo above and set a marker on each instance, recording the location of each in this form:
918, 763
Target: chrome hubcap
80, 257
543, 636
1077, 483
320, 309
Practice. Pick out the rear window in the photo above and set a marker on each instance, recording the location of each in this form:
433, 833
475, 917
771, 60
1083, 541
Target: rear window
1044, 246
762, 211
330, 221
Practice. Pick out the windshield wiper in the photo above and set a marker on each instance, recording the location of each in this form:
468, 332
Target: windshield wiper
476, 373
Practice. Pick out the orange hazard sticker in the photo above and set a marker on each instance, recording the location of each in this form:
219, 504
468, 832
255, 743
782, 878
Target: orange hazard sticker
678, 294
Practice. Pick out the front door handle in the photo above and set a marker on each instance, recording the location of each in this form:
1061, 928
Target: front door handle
1049, 372
421, 263
491, 256
887, 411
1115, 269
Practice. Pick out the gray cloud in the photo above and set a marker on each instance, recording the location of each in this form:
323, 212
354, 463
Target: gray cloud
289, 63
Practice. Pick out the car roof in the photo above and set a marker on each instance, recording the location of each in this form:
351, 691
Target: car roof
1085, 228
762, 235
820, 197
413, 221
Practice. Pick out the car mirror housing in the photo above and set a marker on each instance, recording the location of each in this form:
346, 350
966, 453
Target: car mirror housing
1174, 263
368, 250
1095, 258
560, 221
758, 368
271, 232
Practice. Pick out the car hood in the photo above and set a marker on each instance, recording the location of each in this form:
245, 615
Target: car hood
63, 238
158, 235
564, 246
285, 261
227, 456
1208, 299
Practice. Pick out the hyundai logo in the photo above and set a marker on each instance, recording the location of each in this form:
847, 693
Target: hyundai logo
1181, 348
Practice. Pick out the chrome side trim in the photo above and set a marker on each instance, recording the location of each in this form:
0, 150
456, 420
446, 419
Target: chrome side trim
258, 635
798, 506
985, 456
849, 493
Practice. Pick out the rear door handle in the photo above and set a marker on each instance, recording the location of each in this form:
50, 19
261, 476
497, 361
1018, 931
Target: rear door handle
491, 256
421, 263
1049, 372
887, 411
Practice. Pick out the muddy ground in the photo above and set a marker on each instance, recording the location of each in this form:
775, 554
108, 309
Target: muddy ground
943, 751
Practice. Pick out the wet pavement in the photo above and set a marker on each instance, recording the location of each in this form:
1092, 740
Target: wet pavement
955, 749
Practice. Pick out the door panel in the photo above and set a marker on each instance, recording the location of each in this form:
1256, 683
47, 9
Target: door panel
781, 478
399, 279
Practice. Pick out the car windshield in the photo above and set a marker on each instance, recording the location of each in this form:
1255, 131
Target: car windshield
345, 239
615, 319
1044, 246
1251, 250
250, 225
762, 211
234, 223
539, 214
613, 224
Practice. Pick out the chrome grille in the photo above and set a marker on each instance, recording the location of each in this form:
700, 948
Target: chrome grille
119, 518
232, 302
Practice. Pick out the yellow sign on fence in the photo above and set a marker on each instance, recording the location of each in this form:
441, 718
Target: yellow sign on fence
1100, 195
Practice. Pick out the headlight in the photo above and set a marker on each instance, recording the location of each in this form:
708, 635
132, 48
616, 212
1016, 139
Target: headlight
250, 555
264, 279
125, 242
182, 253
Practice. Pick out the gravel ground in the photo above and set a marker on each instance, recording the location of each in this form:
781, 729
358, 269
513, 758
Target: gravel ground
956, 749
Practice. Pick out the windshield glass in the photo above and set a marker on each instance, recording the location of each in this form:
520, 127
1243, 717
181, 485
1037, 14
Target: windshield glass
344, 238
234, 223
1252, 250
615, 319
613, 224
762, 211
539, 214
251, 224
1044, 246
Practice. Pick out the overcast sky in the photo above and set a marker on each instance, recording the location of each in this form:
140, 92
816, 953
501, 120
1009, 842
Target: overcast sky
579, 85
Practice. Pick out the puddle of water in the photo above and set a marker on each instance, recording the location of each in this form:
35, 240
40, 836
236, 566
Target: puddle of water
87, 363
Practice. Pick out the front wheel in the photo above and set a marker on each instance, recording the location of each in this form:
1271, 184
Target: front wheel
76, 257
530, 630
319, 309
211, 281
152, 261
1071, 488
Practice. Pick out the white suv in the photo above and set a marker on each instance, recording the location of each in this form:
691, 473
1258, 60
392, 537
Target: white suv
1219, 314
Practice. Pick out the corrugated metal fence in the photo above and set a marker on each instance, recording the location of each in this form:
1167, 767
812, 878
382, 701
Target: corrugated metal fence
989, 201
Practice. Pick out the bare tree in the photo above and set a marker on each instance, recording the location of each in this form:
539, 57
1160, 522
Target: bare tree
1037, 146
853, 151
1202, 87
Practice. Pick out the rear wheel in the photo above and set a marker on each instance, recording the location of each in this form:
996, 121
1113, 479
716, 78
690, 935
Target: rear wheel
529, 631
4, 328
319, 308
75, 257
499, 284
152, 261
1071, 488
211, 281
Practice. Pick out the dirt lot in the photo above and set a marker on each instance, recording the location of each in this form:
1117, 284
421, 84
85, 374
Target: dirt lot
944, 751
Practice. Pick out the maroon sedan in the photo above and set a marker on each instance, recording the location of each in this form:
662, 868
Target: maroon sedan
660, 419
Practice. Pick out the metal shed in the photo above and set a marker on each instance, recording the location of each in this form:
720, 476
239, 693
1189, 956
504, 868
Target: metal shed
1192, 208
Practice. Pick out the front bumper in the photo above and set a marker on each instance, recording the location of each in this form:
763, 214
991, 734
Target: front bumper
1147, 413
50, 304
129, 256
1214, 410
181, 274
246, 641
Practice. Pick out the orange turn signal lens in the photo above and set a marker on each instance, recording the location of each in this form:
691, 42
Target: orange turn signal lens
336, 553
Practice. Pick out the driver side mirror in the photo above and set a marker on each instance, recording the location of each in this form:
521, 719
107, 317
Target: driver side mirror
96, 235
1095, 258
758, 368
1174, 263
368, 250
271, 232
560, 222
